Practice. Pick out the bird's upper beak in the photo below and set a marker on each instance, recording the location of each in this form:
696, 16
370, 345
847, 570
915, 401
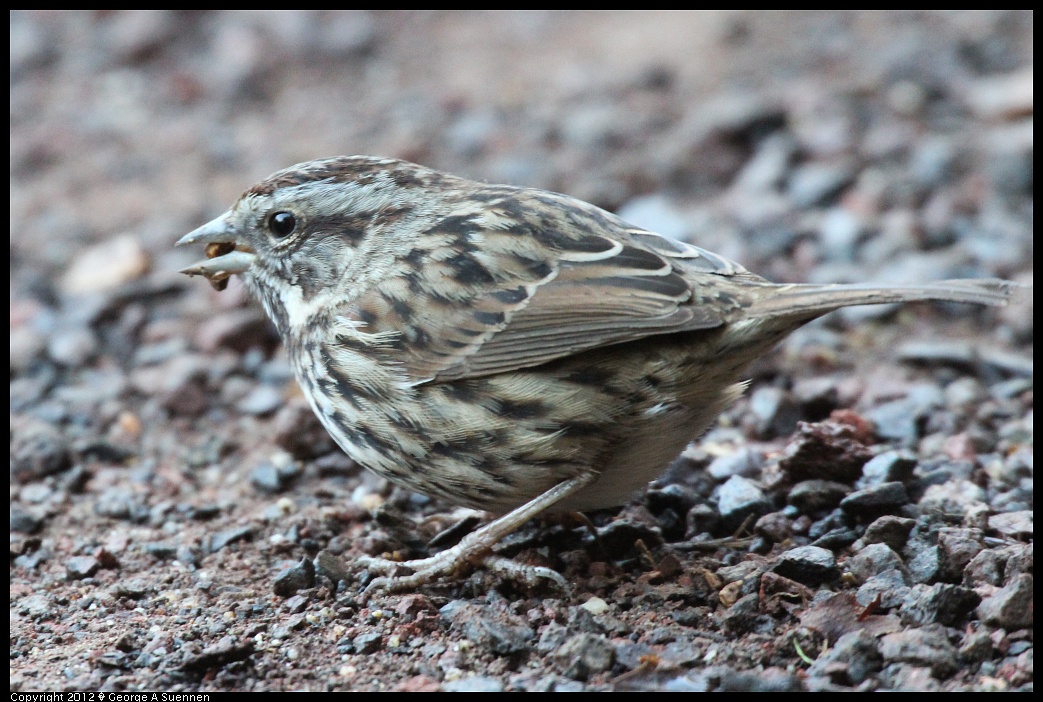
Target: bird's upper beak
225, 255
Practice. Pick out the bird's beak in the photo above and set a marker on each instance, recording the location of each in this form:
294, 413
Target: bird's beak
225, 256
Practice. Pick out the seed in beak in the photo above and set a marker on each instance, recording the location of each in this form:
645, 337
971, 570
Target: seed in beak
215, 250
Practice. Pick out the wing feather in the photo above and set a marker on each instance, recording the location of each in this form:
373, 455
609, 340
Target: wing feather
501, 293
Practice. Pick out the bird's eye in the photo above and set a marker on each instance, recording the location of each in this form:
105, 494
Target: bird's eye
282, 223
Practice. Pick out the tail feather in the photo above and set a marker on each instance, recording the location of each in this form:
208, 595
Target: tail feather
811, 300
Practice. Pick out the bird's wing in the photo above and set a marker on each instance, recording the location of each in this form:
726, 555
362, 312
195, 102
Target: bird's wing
499, 291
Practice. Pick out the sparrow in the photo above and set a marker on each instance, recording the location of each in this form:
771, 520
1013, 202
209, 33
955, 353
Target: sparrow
503, 348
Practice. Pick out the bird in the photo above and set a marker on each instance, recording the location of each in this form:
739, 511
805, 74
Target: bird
504, 348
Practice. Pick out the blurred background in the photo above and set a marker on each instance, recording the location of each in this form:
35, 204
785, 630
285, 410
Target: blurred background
785, 140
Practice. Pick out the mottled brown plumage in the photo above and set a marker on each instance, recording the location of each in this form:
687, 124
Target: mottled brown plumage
505, 348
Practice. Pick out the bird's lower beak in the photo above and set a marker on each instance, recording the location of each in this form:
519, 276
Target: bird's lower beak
225, 256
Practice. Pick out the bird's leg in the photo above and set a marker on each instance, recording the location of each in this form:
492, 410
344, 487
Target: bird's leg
473, 548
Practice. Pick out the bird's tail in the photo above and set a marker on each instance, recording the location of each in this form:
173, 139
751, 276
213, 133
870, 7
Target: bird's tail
811, 300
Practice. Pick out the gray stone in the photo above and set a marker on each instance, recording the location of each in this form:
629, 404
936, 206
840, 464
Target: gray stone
744, 462
80, 567
767, 680
923, 565
585, 655
955, 496
810, 565
888, 589
899, 420
887, 467
294, 578
815, 183
1011, 606
475, 683
876, 499
774, 526
37, 450
739, 498
1012, 524
857, 651
956, 548
775, 410
369, 642
976, 646
927, 646
940, 603
873, 560
813, 496
25, 520
744, 616
218, 541
261, 400
553, 637
497, 632
889, 529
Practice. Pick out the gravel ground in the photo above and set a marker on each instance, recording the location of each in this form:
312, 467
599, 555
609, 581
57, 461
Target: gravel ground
862, 520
